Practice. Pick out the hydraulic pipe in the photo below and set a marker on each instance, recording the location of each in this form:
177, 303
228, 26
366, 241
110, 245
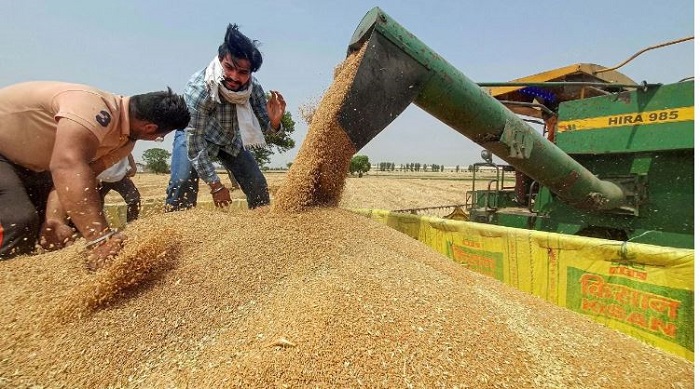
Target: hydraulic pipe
397, 69
567, 83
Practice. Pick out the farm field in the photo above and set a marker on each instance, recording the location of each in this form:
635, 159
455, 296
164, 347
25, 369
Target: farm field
377, 190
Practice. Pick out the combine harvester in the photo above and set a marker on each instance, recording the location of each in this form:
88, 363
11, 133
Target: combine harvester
600, 219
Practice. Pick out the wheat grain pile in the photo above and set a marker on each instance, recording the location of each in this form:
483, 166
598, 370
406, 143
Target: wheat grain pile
305, 296
323, 298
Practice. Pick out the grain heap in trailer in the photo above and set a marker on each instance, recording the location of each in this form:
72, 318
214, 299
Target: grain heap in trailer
613, 167
305, 294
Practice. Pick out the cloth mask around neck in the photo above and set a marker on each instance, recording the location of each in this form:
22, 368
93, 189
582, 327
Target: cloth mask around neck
248, 123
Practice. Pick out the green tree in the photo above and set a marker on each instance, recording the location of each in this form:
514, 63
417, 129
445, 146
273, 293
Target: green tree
359, 164
280, 142
157, 160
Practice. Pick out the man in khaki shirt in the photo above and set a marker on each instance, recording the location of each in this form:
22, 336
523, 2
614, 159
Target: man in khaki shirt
55, 138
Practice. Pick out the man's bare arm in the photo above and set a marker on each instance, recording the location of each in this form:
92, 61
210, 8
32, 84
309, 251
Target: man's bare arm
74, 180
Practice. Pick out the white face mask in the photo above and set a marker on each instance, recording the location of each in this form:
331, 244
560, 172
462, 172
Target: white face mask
233, 97
115, 172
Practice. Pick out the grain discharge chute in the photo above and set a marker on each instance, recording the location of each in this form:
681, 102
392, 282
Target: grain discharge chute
615, 159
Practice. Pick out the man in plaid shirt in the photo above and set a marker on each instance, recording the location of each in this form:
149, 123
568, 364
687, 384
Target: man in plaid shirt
229, 112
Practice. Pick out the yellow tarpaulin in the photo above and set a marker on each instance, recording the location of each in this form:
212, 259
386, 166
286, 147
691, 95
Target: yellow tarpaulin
642, 290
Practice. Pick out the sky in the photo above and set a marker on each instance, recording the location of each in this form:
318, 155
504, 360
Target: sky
137, 46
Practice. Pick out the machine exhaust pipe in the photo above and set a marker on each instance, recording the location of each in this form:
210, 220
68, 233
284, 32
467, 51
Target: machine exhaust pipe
397, 69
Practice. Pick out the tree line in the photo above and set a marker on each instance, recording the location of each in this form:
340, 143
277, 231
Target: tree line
157, 162
418, 167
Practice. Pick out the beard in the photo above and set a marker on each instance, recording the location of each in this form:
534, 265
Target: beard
232, 85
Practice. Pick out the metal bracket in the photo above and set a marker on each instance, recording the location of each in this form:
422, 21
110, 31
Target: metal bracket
518, 139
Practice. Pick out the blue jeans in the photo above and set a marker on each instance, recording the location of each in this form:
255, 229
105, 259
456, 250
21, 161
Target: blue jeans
246, 171
184, 181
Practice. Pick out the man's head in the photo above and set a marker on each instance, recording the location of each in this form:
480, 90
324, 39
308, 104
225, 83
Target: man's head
153, 115
240, 57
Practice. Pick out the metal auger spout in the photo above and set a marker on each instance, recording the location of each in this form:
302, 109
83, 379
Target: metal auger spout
397, 69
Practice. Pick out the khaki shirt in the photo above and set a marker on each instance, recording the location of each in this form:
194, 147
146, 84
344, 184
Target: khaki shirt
29, 115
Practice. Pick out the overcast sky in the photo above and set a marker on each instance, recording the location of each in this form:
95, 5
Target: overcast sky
136, 46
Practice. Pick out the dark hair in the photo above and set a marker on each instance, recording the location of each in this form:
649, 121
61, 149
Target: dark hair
241, 47
165, 109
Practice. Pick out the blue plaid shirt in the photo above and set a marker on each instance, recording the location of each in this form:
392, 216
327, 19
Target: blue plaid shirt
214, 126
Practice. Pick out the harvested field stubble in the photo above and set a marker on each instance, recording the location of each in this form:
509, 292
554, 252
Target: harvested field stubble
322, 298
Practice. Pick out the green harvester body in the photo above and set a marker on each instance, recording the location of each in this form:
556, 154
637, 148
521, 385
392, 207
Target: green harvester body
617, 162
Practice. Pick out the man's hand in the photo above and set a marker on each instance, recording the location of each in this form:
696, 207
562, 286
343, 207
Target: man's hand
56, 234
103, 254
220, 194
276, 107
